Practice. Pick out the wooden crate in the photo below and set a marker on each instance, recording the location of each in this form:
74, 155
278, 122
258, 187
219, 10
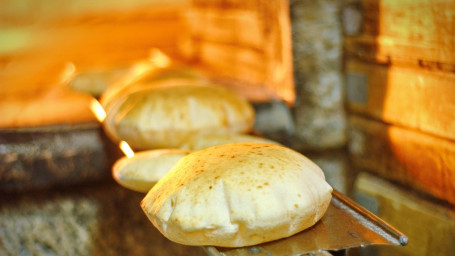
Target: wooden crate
415, 32
242, 43
420, 161
400, 77
39, 38
414, 98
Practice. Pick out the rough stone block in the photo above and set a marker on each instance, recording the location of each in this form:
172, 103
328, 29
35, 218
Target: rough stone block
100, 219
317, 49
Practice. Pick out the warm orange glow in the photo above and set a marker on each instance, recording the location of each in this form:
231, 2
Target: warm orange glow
126, 149
68, 73
159, 59
137, 71
97, 110
100, 114
156, 60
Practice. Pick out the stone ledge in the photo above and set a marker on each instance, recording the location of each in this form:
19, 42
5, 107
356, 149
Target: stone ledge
95, 219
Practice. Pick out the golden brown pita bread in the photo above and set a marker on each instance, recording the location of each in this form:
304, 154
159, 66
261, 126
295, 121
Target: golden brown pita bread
209, 140
144, 169
165, 117
238, 194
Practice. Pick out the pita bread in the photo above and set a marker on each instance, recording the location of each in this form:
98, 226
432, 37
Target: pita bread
165, 117
145, 168
133, 82
238, 194
210, 140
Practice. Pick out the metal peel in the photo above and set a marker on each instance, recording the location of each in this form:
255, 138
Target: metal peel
345, 225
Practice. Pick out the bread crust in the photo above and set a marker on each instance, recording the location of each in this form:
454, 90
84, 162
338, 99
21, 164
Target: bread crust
165, 117
238, 194
141, 172
211, 140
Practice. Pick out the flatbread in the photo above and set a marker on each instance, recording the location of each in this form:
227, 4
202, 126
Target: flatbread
210, 140
238, 194
144, 169
165, 117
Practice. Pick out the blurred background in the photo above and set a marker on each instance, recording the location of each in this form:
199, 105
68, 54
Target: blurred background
365, 88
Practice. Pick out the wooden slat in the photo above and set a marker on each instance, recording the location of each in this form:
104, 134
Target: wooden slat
413, 98
417, 32
247, 42
218, 59
33, 89
237, 27
30, 12
421, 161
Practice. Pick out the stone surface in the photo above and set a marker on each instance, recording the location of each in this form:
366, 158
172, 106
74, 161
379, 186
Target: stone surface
274, 120
351, 16
95, 219
48, 156
317, 49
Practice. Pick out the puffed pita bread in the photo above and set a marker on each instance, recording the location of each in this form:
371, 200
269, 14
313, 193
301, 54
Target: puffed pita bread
238, 194
144, 169
165, 117
164, 77
210, 140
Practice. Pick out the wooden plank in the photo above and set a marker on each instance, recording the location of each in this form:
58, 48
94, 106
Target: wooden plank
417, 32
237, 27
414, 98
30, 12
34, 74
43, 62
423, 162
218, 59
430, 227
106, 41
244, 41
